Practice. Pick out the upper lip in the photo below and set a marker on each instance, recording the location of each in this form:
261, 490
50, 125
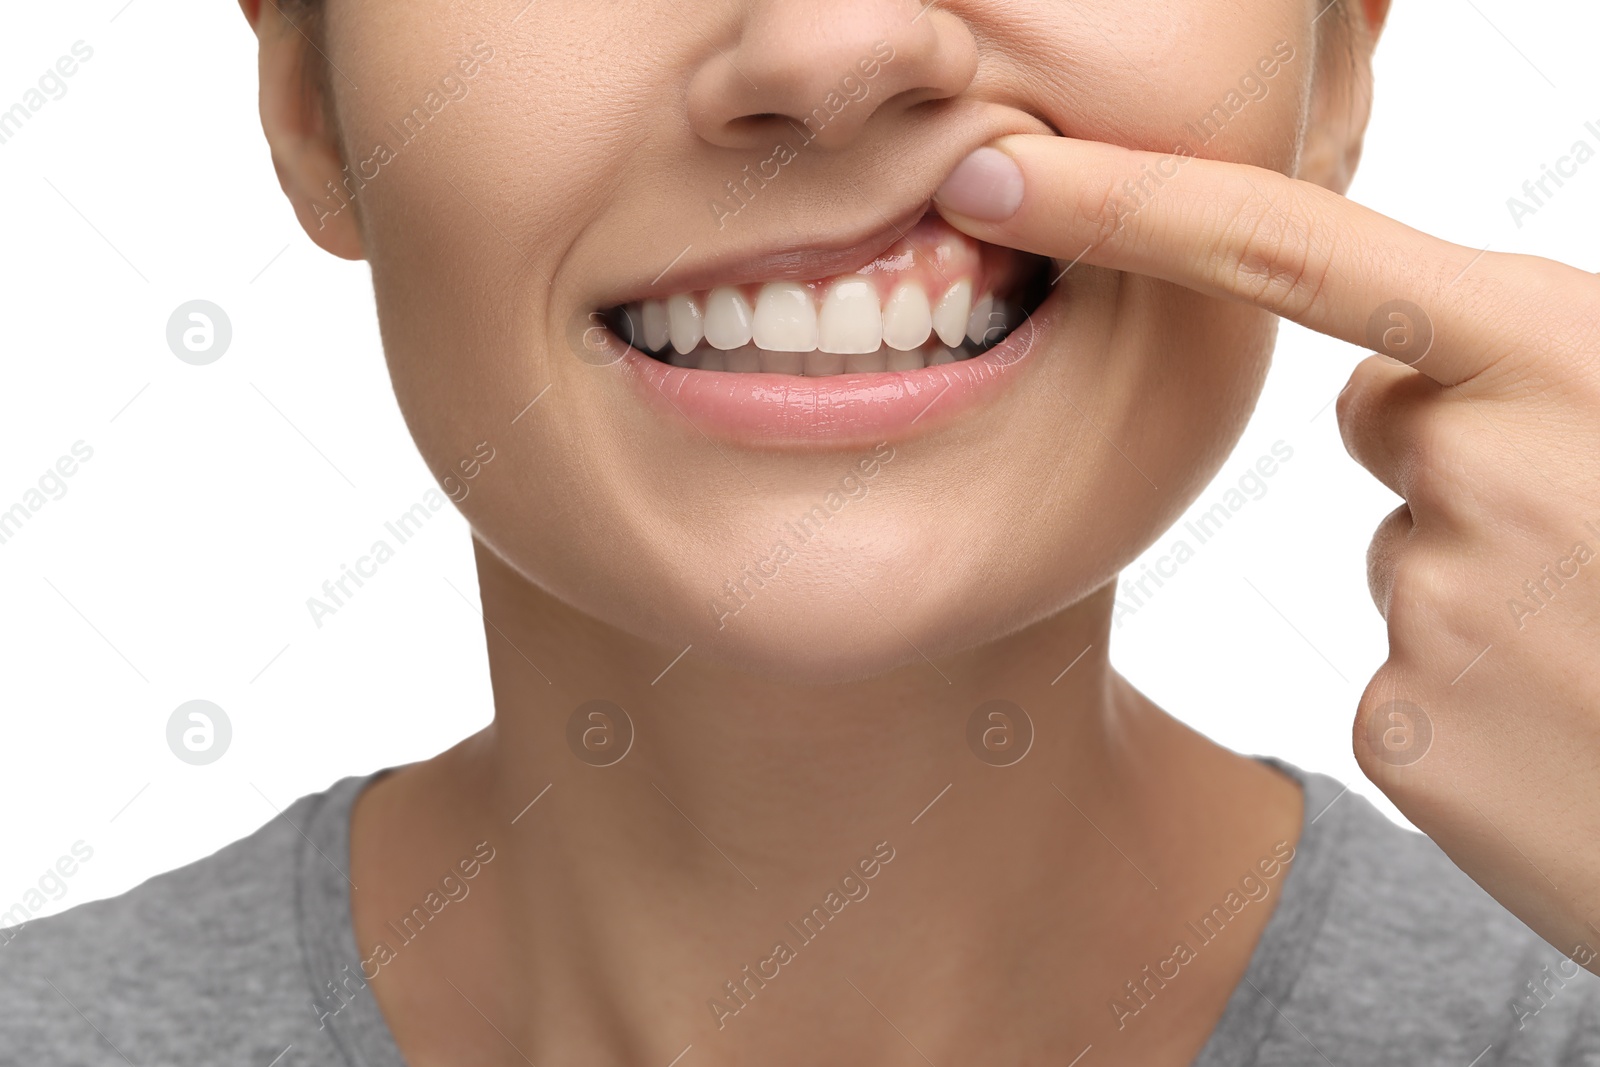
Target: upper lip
798, 262
811, 257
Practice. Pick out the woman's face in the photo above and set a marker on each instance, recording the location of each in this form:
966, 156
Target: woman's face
519, 176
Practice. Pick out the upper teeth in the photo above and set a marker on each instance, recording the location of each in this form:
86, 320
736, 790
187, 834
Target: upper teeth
785, 320
851, 321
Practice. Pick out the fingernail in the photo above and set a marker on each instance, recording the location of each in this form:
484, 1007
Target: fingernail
987, 186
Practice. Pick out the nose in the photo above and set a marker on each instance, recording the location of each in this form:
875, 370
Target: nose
820, 69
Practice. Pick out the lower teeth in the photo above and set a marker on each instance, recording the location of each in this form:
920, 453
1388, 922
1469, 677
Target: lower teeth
749, 359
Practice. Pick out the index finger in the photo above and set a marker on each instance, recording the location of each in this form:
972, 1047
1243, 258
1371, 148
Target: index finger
1227, 229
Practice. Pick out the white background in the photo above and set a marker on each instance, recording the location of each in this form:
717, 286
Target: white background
178, 563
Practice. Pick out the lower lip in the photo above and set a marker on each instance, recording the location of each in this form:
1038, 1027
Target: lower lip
777, 410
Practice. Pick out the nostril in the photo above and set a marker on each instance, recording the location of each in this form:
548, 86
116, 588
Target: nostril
832, 63
752, 125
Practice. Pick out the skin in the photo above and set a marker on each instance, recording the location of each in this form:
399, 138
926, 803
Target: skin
780, 749
1481, 723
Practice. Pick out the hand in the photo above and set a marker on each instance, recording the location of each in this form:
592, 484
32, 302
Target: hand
1483, 725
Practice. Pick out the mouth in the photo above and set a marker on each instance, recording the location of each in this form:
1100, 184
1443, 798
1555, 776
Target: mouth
933, 298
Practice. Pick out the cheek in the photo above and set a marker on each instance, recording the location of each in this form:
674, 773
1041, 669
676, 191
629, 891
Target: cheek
1158, 76
999, 526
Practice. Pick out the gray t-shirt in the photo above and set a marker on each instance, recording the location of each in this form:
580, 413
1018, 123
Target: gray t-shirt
1380, 951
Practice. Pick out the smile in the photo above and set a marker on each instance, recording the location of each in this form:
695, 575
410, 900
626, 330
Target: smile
933, 297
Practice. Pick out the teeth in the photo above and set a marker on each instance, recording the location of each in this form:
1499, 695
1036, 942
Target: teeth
898, 360
951, 314
785, 333
745, 360
870, 362
785, 318
728, 319
851, 321
685, 323
782, 362
654, 315
978, 321
1007, 315
748, 359
822, 364
907, 320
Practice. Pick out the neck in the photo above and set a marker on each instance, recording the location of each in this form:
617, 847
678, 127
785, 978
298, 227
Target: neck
700, 824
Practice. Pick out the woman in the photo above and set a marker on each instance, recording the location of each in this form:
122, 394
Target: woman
834, 357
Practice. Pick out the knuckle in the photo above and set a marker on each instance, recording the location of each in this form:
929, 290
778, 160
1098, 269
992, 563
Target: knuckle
1390, 731
1440, 470
1363, 396
1104, 213
1384, 548
1275, 253
1420, 588
1539, 305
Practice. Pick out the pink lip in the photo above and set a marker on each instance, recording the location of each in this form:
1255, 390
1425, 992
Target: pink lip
845, 410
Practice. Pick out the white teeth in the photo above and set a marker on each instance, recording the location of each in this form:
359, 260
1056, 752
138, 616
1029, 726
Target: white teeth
978, 322
851, 322
852, 333
907, 320
685, 323
909, 360
654, 314
728, 319
951, 313
785, 318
